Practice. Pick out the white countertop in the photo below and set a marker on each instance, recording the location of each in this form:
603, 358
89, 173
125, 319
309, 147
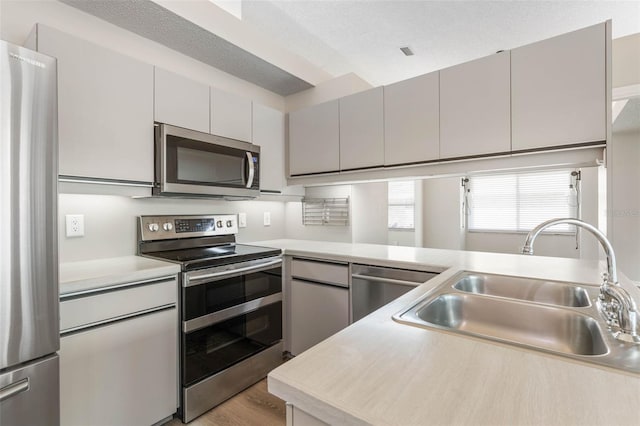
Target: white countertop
92, 274
377, 371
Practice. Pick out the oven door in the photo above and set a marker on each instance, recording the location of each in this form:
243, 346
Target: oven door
229, 317
195, 163
214, 348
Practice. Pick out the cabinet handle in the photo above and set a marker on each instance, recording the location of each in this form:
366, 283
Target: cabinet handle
14, 388
117, 287
120, 318
386, 280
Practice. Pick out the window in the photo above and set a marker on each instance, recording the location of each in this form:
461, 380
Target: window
519, 202
401, 205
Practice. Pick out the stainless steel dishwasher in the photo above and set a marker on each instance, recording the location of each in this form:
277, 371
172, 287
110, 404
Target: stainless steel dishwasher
373, 286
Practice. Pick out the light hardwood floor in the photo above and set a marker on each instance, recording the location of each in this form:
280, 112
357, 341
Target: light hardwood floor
254, 406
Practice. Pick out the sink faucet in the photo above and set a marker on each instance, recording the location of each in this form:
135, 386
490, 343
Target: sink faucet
615, 303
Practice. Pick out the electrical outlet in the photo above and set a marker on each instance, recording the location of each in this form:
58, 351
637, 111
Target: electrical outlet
267, 219
75, 225
242, 220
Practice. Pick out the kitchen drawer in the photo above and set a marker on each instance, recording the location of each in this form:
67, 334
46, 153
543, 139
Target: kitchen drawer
319, 271
102, 305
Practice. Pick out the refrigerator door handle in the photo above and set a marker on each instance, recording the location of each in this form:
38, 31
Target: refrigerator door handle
14, 389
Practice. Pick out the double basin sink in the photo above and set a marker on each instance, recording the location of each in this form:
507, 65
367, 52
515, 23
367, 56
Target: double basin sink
549, 316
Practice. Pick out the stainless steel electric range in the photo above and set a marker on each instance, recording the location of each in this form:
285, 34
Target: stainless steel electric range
230, 305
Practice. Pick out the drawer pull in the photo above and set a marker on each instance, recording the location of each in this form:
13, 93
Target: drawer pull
84, 327
14, 389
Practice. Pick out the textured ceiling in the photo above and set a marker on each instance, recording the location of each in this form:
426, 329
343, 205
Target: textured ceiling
365, 36
154, 22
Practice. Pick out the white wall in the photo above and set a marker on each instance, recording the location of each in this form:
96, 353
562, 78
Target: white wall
442, 223
625, 213
293, 212
17, 18
625, 61
441, 211
401, 238
545, 245
110, 221
369, 213
591, 205
338, 87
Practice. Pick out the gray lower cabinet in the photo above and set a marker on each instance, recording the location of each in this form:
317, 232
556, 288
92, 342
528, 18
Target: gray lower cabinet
118, 355
318, 302
317, 312
298, 417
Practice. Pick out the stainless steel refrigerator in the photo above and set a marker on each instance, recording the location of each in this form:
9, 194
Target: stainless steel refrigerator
29, 322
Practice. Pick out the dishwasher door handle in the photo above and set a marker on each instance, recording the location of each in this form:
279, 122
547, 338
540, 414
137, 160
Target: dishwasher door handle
386, 280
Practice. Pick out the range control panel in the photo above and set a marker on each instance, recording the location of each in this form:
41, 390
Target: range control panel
169, 227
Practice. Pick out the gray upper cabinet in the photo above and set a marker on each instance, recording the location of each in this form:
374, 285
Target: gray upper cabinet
475, 108
362, 130
314, 139
559, 90
268, 133
411, 120
180, 101
105, 109
230, 115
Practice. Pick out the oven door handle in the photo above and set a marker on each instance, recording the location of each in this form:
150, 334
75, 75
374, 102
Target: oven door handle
199, 279
228, 313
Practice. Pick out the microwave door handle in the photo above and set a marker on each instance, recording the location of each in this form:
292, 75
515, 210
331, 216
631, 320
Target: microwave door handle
252, 170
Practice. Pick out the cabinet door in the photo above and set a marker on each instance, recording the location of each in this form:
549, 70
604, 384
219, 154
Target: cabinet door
361, 130
268, 133
558, 90
411, 120
317, 312
475, 107
180, 101
314, 139
124, 373
230, 115
105, 109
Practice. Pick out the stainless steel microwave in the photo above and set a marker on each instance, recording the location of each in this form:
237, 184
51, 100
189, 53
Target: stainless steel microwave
191, 163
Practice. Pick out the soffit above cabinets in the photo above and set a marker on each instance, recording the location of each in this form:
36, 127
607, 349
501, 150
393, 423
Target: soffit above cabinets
154, 22
628, 119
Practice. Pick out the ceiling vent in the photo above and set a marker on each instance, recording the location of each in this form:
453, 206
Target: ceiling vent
407, 51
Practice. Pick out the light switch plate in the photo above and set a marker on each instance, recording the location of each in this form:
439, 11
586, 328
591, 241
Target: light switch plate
267, 219
75, 225
242, 220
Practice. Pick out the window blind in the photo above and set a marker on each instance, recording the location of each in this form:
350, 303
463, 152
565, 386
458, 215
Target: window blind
401, 204
519, 202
